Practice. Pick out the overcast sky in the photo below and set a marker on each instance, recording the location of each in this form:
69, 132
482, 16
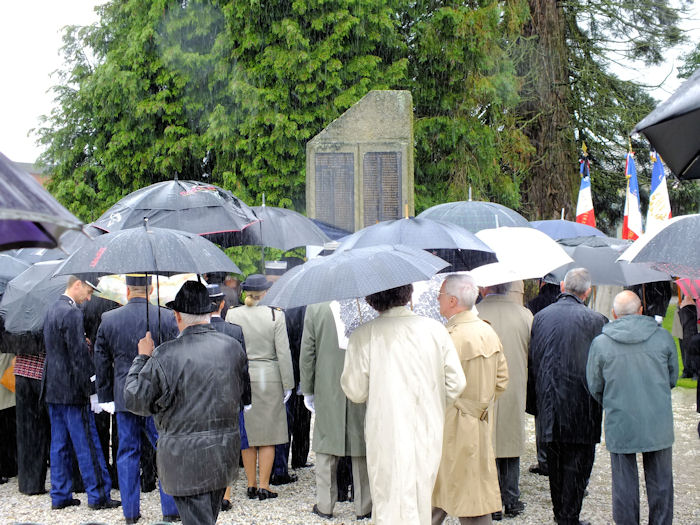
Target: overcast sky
30, 39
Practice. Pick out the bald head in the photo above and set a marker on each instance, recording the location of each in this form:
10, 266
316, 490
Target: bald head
626, 303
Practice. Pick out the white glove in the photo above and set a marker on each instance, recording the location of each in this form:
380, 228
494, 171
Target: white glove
309, 403
94, 405
247, 407
287, 395
107, 407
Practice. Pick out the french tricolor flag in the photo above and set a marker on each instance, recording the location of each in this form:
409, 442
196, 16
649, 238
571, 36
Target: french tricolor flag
632, 222
584, 206
659, 204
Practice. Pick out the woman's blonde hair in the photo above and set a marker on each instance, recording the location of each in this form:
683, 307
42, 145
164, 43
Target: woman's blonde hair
252, 298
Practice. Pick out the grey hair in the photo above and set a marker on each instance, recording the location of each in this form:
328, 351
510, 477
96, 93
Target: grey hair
626, 303
577, 281
463, 287
190, 319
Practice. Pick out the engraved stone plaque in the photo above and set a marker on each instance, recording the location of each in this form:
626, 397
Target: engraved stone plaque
335, 189
381, 186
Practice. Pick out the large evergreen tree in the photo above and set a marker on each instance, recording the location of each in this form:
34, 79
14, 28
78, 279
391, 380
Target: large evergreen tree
571, 95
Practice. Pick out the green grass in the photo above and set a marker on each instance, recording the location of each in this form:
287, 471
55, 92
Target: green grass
667, 324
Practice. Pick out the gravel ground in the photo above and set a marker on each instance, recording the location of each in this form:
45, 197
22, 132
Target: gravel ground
293, 506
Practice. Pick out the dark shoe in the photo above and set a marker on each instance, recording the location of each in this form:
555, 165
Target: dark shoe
264, 494
148, 486
3, 480
171, 519
322, 514
133, 520
305, 465
282, 479
365, 516
514, 510
537, 469
497, 516
584, 523
68, 503
37, 493
225, 505
252, 492
107, 504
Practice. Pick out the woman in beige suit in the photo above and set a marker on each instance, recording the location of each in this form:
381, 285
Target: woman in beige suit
271, 381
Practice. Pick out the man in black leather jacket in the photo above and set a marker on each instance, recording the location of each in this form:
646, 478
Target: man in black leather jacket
193, 387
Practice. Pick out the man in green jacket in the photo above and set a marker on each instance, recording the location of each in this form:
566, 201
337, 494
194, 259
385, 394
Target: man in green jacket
631, 369
339, 425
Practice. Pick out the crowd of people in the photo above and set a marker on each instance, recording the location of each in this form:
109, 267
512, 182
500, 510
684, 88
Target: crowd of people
414, 420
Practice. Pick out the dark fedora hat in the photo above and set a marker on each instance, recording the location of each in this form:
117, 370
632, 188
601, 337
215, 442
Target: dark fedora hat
192, 298
256, 283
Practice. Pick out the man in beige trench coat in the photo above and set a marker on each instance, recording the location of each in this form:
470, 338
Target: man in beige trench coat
512, 323
467, 481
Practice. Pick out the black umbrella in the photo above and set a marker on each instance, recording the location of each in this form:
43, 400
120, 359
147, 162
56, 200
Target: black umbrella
333, 232
599, 256
191, 206
475, 215
10, 267
29, 295
147, 250
284, 229
352, 273
673, 129
29, 215
461, 248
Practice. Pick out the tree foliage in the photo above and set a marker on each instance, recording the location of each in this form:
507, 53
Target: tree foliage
571, 95
230, 92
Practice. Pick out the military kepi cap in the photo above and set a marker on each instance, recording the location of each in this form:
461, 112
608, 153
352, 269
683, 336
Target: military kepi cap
192, 298
137, 279
214, 291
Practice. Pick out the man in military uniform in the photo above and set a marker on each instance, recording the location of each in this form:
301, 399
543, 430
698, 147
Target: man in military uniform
67, 371
116, 347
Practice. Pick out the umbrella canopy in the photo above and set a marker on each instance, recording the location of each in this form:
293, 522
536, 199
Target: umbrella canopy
460, 247
147, 250
673, 128
29, 295
671, 249
599, 256
523, 253
10, 267
69, 242
475, 215
190, 206
352, 273
284, 229
561, 229
333, 232
29, 215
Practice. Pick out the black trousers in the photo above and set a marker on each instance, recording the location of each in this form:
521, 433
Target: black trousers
570, 466
301, 427
509, 479
8, 443
202, 509
33, 436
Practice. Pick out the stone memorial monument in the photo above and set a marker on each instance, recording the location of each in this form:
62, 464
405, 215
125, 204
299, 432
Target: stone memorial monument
359, 170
